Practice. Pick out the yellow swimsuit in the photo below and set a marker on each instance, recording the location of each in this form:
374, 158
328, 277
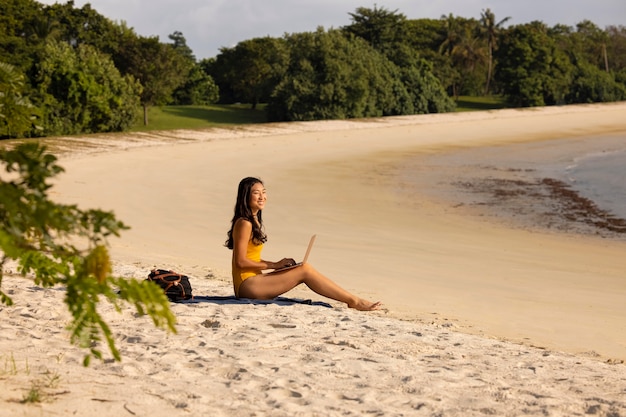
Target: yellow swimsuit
240, 275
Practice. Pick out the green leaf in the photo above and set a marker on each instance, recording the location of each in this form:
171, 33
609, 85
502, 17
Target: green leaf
34, 231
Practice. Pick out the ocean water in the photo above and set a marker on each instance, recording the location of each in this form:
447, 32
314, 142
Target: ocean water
594, 167
601, 177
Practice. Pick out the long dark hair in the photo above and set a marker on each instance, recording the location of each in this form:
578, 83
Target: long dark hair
243, 211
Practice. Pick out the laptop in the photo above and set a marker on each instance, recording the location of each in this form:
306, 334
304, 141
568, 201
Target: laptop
306, 257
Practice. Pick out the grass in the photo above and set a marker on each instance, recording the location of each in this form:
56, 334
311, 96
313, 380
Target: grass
34, 395
198, 117
10, 366
37, 392
220, 115
467, 103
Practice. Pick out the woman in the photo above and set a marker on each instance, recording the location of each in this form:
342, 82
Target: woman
246, 238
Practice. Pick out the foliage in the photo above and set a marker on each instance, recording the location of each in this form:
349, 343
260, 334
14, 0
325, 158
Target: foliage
18, 20
490, 30
331, 76
533, 71
593, 85
388, 33
75, 26
250, 71
616, 48
464, 56
159, 68
465, 46
81, 91
58, 244
198, 87
426, 94
381, 28
17, 115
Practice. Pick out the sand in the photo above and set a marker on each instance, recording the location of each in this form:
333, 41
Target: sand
482, 316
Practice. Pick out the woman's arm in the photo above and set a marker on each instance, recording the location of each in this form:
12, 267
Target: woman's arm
242, 232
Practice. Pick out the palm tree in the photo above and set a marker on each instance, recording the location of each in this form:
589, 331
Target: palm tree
452, 34
462, 47
490, 30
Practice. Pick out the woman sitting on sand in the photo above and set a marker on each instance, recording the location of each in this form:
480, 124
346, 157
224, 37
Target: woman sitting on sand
246, 239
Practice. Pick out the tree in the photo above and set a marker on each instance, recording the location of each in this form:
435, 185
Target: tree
381, 28
593, 85
490, 30
179, 43
331, 76
463, 47
426, 93
36, 233
159, 68
16, 43
18, 117
616, 47
533, 71
468, 56
81, 91
390, 34
251, 70
198, 89
594, 43
453, 29
79, 26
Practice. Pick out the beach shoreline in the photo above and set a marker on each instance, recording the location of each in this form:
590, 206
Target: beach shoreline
481, 317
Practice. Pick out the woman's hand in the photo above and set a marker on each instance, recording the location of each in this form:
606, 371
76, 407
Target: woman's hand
284, 263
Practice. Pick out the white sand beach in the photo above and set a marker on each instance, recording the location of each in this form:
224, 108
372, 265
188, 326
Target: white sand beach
482, 317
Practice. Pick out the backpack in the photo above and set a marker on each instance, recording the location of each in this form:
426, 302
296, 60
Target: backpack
176, 286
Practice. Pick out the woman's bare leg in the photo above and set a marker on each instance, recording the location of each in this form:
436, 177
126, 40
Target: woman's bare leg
272, 285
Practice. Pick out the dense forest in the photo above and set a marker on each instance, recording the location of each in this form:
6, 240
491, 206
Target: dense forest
67, 70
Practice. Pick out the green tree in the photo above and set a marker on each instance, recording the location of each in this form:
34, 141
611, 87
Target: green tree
533, 71
616, 47
469, 57
453, 29
593, 42
18, 117
331, 76
490, 30
424, 38
594, 85
425, 35
159, 68
79, 26
198, 87
251, 70
381, 28
36, 233
17, 45
426, 92
179, 43
391, 34
81, 91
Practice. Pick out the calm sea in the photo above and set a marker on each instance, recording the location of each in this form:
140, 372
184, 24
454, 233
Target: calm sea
601, 177
595, 167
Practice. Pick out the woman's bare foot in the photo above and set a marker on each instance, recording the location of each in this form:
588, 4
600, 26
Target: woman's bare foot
364, 305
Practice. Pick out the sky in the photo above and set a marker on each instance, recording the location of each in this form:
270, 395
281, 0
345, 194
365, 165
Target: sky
209, 25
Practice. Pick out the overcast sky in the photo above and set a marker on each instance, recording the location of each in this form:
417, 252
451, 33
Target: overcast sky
211, 24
